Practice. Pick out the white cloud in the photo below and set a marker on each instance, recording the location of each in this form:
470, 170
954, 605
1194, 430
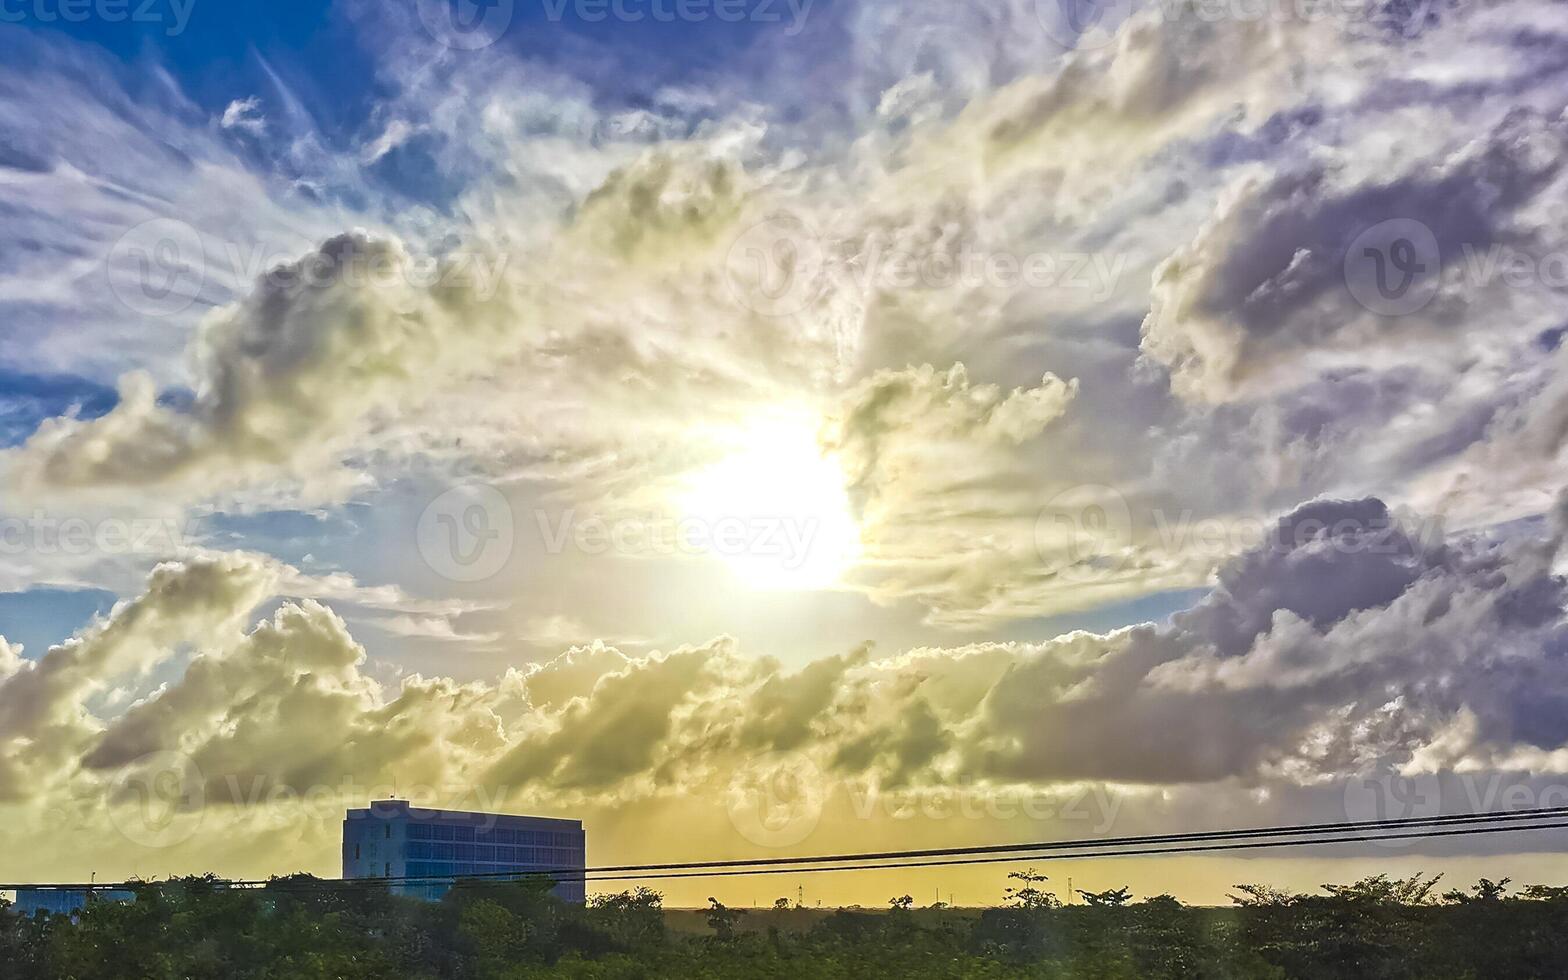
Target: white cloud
245, 114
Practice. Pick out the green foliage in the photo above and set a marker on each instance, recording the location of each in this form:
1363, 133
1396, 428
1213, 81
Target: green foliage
299, 927
1028, 894
1112, 899
722, 919
1485, 890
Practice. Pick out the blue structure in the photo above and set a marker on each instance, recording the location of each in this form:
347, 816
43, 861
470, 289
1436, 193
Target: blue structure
64, 901
393, 839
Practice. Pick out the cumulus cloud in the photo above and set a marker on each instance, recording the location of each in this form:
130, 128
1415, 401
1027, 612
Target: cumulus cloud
1348, 642
320, 344
44, 714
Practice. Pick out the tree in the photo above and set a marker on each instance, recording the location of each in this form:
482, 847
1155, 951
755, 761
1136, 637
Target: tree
1414, 890
1114, 898
1029, 894
1263, 896
903, 903
1485, 890
722, 919
633, 920
780, 904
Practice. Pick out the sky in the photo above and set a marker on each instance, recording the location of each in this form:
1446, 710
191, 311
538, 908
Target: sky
768, 427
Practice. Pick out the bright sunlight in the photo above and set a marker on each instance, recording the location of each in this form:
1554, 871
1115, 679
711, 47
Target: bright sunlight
776, 510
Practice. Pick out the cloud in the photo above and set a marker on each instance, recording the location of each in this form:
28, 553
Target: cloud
438, 629
1263, 285
11, 661
284, 375
920, 449
395, 135
1349, 642
559, 631
597, 358
903, 431
44, 715
245, 114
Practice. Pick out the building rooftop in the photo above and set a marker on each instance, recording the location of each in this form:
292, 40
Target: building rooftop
397, 809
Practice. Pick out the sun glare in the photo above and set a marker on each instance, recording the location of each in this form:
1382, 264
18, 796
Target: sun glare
776, 510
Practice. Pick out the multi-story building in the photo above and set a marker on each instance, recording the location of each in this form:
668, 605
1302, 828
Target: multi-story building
65, 901
394, 839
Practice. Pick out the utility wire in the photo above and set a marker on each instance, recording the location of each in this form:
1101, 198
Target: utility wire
579, 875
1205, 841
1208, 835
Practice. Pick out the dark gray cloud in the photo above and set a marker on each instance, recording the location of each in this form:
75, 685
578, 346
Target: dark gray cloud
1266, 278
1346, 614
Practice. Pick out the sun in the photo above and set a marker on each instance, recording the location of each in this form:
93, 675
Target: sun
775, 510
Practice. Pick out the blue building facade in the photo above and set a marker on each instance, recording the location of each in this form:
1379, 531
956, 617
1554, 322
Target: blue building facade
65, 901
394, 839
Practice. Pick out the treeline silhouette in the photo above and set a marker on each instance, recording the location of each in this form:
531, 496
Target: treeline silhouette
302, 928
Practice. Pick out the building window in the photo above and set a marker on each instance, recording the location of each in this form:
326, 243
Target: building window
389, 831
356, 852
389, 870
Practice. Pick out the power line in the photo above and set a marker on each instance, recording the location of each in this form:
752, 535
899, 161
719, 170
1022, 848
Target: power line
1204, 841
1038, 846
631, 871
1114, 853
579, 876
